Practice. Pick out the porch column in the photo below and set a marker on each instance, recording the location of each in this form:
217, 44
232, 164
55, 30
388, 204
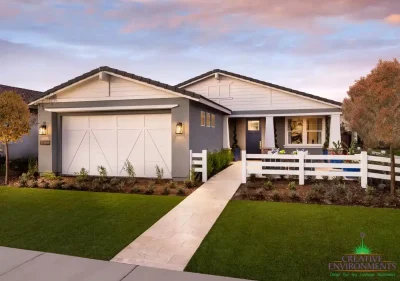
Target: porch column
225, 133
334, 134
269, 137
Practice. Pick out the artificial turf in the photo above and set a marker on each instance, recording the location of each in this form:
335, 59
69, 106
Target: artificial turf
85, 224
285, 241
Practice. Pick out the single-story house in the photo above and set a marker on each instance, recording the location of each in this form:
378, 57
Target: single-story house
107, 116
28, 145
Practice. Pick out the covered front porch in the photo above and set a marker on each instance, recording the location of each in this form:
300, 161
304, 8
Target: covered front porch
261, 133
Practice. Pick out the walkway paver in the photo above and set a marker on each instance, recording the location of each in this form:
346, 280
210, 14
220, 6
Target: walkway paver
23, 265
171, 242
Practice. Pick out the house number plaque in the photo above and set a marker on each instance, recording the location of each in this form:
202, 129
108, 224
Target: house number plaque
44, 142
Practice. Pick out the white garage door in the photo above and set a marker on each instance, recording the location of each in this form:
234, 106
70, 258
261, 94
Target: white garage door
108, 140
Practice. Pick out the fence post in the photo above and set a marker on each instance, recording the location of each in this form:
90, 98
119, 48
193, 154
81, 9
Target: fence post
364, 168
244, 166
204, 165
190, 164
300, 154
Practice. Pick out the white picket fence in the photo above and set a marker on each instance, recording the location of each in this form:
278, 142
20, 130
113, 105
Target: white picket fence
301, 165
198, 161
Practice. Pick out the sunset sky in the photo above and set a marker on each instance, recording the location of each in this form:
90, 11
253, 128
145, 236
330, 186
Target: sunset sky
320, 47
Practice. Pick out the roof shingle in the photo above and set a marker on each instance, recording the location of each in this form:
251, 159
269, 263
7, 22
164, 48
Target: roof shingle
26, 94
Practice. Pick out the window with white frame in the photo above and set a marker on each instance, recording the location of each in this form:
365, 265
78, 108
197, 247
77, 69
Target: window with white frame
305, 130
202, 118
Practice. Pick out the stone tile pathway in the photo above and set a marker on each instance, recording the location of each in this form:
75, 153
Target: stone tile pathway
171, 242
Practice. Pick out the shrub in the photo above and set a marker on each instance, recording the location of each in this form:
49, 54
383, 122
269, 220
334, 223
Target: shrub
130, 170
106, 187
311, 179
292, 178
368, 200
114, 181
350, 197
325, 178
68, 186
135, 189
166, 191
49, 175
32, 167
83, 186
268, 185
259, 195
150, 187
252, 177
172, 184
292, 185
294, 196
181, 192
331, 195
391, 201
370, 190
275, 196
44, 184
314, 195
218, 160
102, 172
319, 188
23, 180
337, 180
56, 184
244, 193
96, 184
188, 183
159, 173
33, 184
82, 175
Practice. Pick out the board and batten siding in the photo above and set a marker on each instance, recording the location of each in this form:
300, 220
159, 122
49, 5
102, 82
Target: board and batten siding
239, 95
115, 88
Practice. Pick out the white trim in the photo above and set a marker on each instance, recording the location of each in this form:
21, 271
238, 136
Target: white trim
111, 108
304, 144
262, 85
286, 114
63, 89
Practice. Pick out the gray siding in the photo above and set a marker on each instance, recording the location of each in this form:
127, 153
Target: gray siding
280, 132
50, 155
205, 137
28, 145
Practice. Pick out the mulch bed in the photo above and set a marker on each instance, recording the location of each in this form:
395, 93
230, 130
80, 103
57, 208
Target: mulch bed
330, 192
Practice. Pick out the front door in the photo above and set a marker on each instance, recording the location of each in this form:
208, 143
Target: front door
253, 136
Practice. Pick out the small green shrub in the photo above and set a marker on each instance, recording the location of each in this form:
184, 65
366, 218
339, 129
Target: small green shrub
82, 175
166, 191
391, 201
115, 181
130, 170
218, 160
350, 197
188, 183
252, 177
337, 180
102, 172
370, 190
292, 178
276, 196
331, 195
159, 173
259, 195
368, 200
56, 184
294, 196
135, 189
172, 184
314, 195
49, 175
33, 184
23, 180
151, 186
181, 192
83, 186
292, 185
268, 185
319, 188
311, 179
32, 167
45, 185
68, 186
106, 187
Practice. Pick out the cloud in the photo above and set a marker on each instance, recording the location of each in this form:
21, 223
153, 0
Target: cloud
393, 19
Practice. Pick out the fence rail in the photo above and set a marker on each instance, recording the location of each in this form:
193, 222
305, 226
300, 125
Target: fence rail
301, 165
198, 161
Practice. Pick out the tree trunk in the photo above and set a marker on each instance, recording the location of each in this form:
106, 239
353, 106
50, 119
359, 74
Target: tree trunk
392, 172
6, 175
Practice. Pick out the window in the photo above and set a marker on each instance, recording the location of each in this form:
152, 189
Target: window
202, 118
305, 131
253, 125
208, 119
213, 120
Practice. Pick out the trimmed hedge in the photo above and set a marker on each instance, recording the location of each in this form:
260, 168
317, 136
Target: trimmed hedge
217, 161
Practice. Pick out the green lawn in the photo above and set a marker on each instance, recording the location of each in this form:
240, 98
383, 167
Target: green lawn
86, 224
281, 241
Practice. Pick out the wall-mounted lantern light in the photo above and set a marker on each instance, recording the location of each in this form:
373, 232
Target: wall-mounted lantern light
179, 128
43, 129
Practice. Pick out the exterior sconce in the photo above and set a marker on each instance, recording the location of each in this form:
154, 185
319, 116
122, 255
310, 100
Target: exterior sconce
179, 128
43, 129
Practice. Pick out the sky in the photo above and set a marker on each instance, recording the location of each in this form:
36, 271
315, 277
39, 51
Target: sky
320, 47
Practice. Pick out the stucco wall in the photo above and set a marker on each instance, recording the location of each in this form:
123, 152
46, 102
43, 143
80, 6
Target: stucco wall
205, 137
50, 155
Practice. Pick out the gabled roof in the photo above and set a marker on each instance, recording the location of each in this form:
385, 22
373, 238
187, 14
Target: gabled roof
209, 73
27, 95
128, 75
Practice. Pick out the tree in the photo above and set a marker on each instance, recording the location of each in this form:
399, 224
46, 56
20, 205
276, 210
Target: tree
14, 121
373, 109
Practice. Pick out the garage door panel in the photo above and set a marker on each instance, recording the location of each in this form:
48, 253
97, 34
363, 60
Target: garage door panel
103, 144
130, 146
130, 121
103, 122
75, 152
143, 139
